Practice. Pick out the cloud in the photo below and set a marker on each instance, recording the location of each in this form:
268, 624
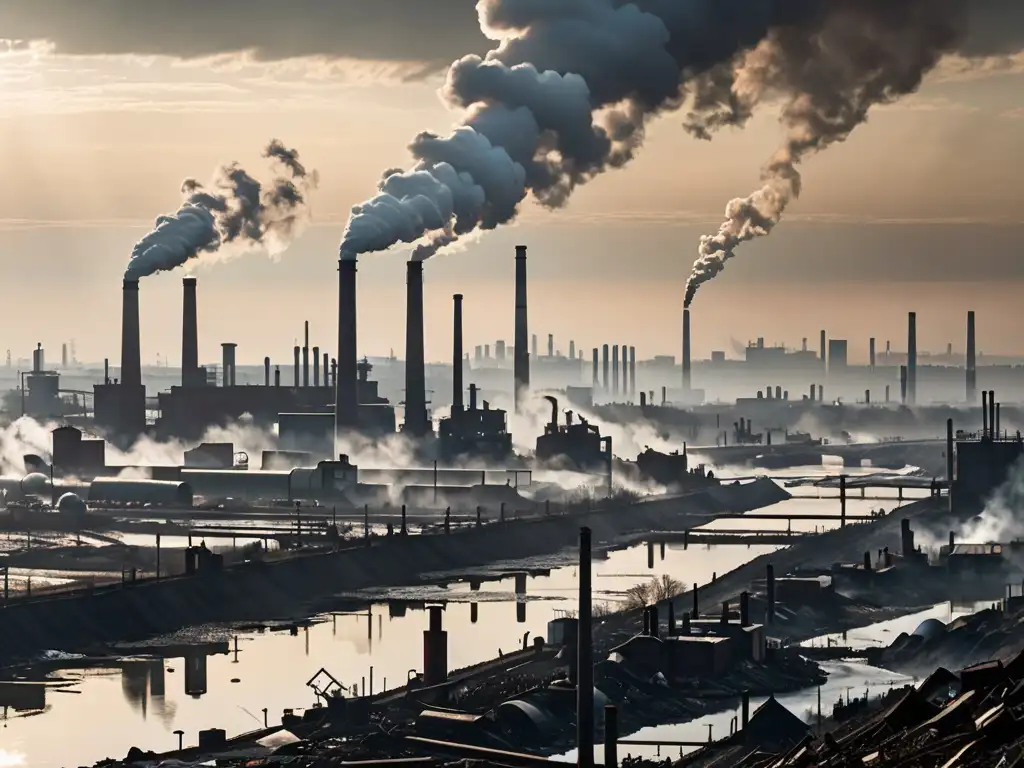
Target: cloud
429, 33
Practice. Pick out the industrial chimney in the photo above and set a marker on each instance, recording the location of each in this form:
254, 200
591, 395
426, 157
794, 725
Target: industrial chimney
632, 371
871, 352
228, 364
189, 334
417, 422
346, 411
305, 356
686, 351
521, 364
822, 352
912, 358
615, 369
597, 380
132, 407
972, 362
131, 354
604, 367
457, 355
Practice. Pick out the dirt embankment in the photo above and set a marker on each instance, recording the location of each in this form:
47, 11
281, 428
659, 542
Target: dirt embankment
255, 590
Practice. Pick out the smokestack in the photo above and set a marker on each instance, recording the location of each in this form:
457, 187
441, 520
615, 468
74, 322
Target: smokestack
266, 371
686, 350
327, 367
297, 366
346, 411
597, 380
417, 423
972, 363
992, 414
632, 371
457, 354
305, 356
903, 384
604, 367
227, 377
189, 334
131, 354
521, 362
551, 345
871, 352
615, 369
950, 465
585, 663
822, 352
984, 413
572, 350
316, 366
912, 358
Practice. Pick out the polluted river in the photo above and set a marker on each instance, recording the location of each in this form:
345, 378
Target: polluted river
259, 671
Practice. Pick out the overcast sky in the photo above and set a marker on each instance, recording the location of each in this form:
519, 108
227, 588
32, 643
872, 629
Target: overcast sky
107, 105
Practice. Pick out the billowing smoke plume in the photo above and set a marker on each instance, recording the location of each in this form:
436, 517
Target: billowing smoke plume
829, 71
564, 96
568, 91
238, 209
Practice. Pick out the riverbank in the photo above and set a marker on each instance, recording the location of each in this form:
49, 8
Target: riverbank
281, 588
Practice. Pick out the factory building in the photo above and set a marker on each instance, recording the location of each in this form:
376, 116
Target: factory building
187, 410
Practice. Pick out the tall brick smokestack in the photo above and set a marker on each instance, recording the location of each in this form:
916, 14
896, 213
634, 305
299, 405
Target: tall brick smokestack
189, 334
417, 423
972, 362
457, 406
912, 358
686, 350
347, 407
521, 364
131, 353
131, 416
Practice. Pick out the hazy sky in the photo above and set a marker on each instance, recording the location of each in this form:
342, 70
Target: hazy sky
115, 103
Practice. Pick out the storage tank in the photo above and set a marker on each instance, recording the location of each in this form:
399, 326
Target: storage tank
163, 492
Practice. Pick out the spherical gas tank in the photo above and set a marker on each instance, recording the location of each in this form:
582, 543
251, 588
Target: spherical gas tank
71, 504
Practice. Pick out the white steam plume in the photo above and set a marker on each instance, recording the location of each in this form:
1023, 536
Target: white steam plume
237, 210
1002, 520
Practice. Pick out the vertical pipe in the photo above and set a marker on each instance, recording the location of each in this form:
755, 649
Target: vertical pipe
950, 467
316, 366
597, 380
297, 366
971, 362
604, 367
871, 352
277, 376
266, 371
521, 362
551, 345
999, 426
305, 356
611, 736
615, 369
686, 351
457, 353
842, 501
912, 358
189, 334
824, 364
585, 665
632, 371
572, 349
346, 412
991, 414
903, 384
984, 413
417, 424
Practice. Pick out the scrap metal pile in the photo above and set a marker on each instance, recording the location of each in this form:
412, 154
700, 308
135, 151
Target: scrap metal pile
970, 719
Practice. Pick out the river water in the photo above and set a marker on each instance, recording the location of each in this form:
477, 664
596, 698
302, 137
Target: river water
103, 712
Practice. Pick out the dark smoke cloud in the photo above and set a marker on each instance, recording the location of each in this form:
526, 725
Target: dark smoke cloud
568, 90
829, 71
237, 210
563, 97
